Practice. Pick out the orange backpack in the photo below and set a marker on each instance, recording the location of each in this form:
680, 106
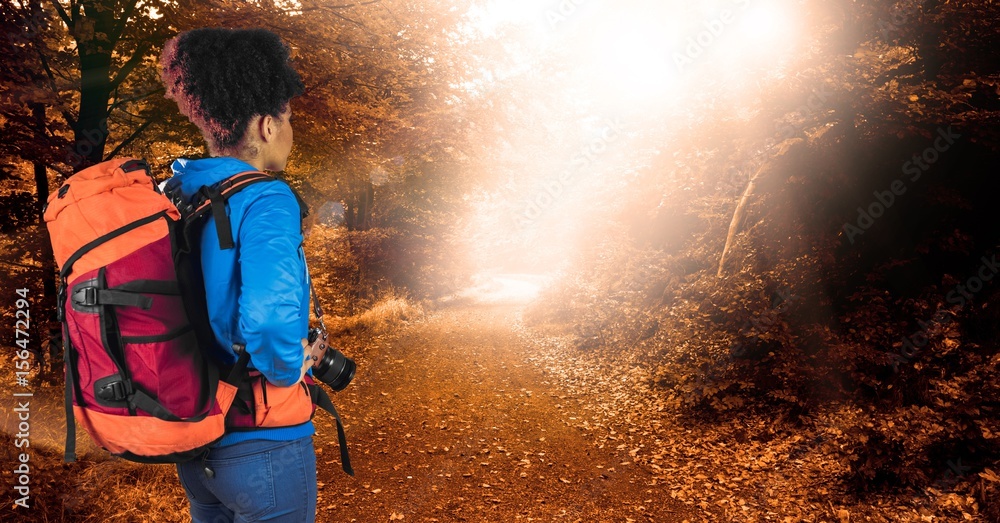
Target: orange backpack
136, 378
132, 308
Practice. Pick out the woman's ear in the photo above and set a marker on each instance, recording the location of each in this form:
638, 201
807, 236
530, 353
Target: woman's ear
267, 128
261, 129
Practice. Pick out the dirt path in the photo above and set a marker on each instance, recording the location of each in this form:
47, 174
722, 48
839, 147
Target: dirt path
449, 421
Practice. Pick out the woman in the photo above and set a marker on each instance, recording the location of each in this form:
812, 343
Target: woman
235, 86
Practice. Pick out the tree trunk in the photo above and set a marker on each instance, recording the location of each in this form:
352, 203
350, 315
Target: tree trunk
740, 211
738, 214
367, 205
358, 208
91, 131
96, 37
350, 213
48, 305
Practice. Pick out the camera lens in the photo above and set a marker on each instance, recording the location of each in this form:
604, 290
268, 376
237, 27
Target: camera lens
335, 369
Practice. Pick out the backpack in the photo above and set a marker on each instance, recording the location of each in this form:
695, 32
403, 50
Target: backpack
132, 307
136, 377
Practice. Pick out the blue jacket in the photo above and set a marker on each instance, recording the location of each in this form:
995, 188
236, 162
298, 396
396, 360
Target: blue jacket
258, 292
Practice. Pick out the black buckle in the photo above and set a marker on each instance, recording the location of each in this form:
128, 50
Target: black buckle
86, 296
112, 391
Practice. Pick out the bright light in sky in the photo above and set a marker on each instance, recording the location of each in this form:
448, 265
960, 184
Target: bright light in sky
634, 55
636, 52
760, 39
764, 23
637, 61
634, 60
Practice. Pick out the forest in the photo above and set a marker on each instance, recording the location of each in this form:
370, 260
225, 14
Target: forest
672, 260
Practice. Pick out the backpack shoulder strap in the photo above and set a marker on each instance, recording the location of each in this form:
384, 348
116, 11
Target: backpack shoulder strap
213, 198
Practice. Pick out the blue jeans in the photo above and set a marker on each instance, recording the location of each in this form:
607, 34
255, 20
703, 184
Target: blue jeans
256, 480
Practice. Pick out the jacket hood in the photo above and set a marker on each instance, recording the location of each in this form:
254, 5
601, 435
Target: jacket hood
191, 175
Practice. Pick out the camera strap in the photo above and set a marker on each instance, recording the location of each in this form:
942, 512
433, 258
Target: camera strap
319, 396
317, 308
323, 401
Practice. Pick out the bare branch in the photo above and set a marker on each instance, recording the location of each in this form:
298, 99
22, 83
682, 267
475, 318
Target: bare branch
62, 14
321, 83
349, 20
61, 172
120, 28
740, 211
330, 7
130, 139
131, 64
52, 83
137, 97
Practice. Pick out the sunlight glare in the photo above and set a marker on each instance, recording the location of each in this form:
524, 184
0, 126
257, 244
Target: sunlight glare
503, 288
623, 61
636, 62
765, 24
630, 60
761, 39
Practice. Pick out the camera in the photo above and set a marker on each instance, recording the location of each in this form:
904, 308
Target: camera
333, 368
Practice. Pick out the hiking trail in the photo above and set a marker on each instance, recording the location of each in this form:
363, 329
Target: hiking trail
456, 418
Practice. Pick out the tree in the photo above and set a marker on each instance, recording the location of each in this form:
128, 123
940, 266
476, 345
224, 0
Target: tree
30, 138
68, 71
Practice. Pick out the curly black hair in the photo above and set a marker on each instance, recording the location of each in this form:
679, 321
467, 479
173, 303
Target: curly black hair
223, 78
